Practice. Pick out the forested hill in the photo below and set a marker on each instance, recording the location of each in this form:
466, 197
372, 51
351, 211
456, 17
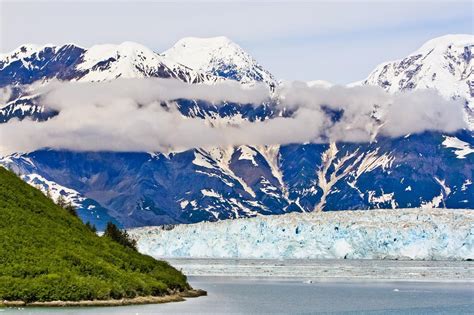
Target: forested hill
48, 254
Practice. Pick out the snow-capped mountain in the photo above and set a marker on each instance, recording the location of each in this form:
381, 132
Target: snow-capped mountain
29, 63
39, 64
444, 63
221, 57
193, 60
210, 184
132, 60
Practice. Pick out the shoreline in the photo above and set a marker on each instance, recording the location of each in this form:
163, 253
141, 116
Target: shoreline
176, 297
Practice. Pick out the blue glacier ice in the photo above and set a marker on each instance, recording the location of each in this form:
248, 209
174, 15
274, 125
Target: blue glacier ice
420, 234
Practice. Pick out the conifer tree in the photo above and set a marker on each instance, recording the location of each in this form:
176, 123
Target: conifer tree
48, 194
71, 209
120, 236
91, 227
61, 201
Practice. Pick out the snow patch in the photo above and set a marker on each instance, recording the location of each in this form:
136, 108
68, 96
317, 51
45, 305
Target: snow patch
247, 153
463, 148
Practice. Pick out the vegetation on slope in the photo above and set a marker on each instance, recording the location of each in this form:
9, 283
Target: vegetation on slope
119, 236
48, 254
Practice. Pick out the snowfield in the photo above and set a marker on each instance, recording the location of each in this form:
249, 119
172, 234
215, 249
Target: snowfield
419, 234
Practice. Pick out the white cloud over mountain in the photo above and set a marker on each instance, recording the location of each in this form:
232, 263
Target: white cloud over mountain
128, 115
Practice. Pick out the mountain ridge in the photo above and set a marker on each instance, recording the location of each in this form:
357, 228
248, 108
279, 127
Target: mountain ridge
217, 183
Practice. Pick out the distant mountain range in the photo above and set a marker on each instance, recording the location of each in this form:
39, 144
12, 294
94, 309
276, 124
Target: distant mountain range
430, 169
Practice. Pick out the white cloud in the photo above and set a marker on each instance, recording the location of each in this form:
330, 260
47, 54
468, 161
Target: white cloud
59, 95
126, 115
5, 94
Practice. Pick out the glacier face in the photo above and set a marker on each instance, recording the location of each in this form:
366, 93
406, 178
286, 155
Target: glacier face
419, 234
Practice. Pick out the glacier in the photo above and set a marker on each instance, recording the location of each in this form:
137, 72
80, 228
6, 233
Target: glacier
418, 234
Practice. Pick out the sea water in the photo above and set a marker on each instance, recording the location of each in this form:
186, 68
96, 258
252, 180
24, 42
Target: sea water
228, 295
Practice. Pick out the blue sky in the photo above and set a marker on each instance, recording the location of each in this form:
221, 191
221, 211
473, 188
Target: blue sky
338, 41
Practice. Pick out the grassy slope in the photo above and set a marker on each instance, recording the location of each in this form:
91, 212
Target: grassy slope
47, 254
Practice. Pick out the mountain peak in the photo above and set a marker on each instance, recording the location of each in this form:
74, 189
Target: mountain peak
29, 48
445, 41
443, 64
216, 41
132, 60
218, 56
125, 50
30, 57
101, 62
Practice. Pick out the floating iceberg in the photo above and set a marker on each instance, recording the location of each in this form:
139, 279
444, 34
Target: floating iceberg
421, 234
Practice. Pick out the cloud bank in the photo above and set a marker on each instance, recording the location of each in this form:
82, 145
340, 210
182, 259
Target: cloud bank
127, 115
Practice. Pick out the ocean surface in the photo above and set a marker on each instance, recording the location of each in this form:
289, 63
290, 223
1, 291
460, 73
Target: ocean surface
228, 295
330, 269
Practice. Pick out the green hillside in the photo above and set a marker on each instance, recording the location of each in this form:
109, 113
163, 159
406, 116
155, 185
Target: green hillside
47, 254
